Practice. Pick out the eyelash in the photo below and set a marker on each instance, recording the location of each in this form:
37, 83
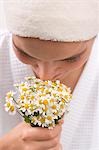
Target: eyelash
22, 53
73, 59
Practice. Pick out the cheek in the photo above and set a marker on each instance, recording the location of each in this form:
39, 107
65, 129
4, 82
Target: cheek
80, 63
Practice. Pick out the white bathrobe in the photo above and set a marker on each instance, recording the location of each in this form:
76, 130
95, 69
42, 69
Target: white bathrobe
81, 125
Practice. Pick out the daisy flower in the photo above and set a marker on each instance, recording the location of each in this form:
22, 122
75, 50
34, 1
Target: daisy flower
41, 103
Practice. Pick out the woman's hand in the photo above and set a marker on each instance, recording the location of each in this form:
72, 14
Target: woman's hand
25, 137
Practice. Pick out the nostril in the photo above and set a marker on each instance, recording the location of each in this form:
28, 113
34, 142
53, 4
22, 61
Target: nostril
36, 75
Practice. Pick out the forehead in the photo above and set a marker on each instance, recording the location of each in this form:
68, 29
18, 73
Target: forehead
47, 49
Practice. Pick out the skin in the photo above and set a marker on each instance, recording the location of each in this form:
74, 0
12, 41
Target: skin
46, 59
29, 138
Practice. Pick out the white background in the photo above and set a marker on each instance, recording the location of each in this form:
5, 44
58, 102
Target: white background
2, 17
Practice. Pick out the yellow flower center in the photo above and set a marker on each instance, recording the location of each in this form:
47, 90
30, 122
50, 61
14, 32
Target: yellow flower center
24, 89
9, 95
22, 97
12, 108
51, 100
59, 89
54, 107
49, 117
45, 102
8, 104
42, 120
32, 97
26, 106
61, 106
40, 102
63, 101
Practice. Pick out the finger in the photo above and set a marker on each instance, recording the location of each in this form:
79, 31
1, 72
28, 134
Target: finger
41, 134
42, 145
61, 121
58, 147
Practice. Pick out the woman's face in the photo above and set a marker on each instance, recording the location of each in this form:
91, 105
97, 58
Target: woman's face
52, 60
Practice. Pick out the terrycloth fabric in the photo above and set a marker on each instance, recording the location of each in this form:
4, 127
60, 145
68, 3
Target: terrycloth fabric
56, 20
81, 128
11, 71
81, 125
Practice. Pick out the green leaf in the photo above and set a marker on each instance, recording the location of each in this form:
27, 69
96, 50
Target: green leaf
27, 119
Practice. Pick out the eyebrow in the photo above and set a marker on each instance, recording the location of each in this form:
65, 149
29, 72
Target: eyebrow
78, 54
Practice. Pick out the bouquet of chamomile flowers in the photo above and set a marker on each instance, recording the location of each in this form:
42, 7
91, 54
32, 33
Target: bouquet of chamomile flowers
40, 103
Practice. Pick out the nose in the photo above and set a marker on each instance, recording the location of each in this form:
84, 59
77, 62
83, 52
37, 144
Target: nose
44, 71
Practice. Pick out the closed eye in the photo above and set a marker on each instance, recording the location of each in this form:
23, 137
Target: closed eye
74, 58
70, 59
20, 51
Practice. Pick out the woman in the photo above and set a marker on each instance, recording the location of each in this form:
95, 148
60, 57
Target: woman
52, 42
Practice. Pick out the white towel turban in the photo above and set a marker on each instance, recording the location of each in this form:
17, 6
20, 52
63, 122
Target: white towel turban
56, 20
